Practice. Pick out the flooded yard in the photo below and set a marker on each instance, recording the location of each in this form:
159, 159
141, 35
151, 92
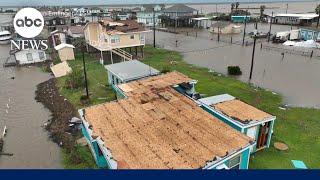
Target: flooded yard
294, 76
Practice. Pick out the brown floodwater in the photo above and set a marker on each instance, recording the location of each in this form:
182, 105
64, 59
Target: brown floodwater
295, 77
24, 118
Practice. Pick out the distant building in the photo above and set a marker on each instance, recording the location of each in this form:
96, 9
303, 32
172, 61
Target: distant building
240, 19
295, 19
51, 22
179, 15
243, 117
75, 31
145, 15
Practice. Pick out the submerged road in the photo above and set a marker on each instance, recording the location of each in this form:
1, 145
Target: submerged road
296, 77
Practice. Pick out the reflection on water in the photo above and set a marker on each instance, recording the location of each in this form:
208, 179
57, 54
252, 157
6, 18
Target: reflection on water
24, 117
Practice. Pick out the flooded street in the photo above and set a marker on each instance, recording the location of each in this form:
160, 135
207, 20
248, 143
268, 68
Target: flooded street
24, 117
296, 77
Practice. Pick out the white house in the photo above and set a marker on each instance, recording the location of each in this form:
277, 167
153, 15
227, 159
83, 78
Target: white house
295, 19
30, 56
145, 16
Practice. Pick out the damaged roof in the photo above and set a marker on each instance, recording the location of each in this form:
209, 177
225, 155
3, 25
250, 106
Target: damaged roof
123, 26
236, 109
156, 127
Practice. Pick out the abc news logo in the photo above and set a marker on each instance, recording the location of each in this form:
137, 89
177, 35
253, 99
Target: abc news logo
28, 23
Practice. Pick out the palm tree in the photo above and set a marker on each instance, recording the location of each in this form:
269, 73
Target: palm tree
318, 12
237, 5
262, 8
232, 7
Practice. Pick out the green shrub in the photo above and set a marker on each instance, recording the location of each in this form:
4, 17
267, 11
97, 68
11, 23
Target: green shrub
75, 79
234, 70
166, 69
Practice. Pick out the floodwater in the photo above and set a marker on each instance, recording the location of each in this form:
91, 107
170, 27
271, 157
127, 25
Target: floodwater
278, 7
24, 118
293, 76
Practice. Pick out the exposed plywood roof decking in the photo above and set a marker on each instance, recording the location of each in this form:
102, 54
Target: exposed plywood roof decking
157, 127
241, 111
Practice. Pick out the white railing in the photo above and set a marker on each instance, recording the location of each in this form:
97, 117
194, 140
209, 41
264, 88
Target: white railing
124, 54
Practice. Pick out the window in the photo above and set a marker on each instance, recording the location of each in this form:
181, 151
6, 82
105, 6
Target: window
41, 56
234, 163
132, 36
115, 39
29, 57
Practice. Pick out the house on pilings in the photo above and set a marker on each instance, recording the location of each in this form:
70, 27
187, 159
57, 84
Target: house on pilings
115, 41
179, 15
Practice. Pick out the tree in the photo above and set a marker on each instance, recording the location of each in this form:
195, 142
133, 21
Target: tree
232, 7
262, 8
318, 12
237, 5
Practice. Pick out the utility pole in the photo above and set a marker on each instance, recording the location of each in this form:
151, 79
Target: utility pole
270, 26
253, 52
287, 8
154, 29
85, 72
245, 26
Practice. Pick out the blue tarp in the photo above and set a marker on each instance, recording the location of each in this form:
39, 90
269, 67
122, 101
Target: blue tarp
299, 164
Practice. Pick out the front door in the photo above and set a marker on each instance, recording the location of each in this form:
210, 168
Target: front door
263, 135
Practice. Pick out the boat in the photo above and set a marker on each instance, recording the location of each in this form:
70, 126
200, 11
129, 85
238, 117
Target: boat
5, 37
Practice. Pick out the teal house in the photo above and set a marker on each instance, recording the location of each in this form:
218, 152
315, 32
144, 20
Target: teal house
309, 34
154, 126
243, 117
240, 19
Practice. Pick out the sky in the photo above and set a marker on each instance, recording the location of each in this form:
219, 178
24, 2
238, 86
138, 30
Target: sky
100, 2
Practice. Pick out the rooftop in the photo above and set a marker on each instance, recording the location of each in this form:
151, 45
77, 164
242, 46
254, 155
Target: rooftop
300, 16
63, 45
130, 70
157, 127
180, 8
123, 26
236, 109
76, 29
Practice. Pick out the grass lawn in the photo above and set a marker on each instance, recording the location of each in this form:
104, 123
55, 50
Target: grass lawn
299, 128
85, 162
99, 92
97, 76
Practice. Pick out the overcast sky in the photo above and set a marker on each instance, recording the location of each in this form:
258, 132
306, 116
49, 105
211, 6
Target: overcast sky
99, 2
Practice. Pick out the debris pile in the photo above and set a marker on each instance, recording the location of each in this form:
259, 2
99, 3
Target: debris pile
62, 111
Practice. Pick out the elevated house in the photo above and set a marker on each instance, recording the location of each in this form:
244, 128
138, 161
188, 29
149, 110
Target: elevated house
114, 38
153, 126
145, 15
179, 15
243, 117
295, 19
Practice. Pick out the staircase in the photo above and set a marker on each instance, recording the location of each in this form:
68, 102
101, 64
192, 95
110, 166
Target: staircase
122, 53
